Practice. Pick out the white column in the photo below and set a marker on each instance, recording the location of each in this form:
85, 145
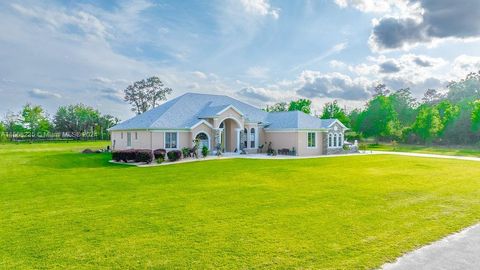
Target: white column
256, 137
248, 137
238, 130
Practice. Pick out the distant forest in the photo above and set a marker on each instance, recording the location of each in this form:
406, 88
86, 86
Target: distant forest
450, 117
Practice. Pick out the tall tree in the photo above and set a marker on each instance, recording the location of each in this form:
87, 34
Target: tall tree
379, 119
428, 123
13, 124
76, 120
145, 94
404, 105
34, 120
432, 96
3, 131
302, 105
333, 110
277, 107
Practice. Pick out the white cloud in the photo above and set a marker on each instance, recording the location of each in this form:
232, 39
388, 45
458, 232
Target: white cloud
337, 64
199, 75
39, 93
260, 7
464, 64
366, 5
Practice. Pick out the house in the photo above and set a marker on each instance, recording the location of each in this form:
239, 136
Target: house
234, 126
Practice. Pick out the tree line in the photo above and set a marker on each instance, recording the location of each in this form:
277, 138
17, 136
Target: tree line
73, 122
450, 117
79, 121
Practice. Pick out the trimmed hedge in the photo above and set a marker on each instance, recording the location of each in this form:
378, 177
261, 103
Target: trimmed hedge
160, 153
174, 155
136, 155
143, 155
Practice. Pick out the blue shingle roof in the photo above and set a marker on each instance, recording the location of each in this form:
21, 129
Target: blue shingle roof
185, 111
296, 120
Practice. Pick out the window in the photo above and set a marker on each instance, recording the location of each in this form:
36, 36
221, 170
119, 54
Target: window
252, 138
121, 135
311, 138
171, 140
340, 140
329, 140
245, 142
335, 140
129, 139
136, 135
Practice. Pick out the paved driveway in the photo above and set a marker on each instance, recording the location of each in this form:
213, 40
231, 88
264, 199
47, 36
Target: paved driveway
458, 251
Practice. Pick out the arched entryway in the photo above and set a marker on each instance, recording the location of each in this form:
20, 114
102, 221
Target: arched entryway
203, 139
229, 135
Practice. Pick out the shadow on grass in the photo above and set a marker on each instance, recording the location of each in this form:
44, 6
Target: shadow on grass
74, 160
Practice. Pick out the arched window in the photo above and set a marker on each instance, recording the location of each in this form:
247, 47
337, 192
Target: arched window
335, 140
330, 140
203, 140
340, 140
252, 138
245, 142
221, 125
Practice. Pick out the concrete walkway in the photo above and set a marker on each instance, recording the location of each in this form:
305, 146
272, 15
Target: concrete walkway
422, 155
457, 251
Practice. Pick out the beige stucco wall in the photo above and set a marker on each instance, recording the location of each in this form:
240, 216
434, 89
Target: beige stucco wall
299, 140
230, 113
304, 150
207, 130
281, 140
142, 141
149, 139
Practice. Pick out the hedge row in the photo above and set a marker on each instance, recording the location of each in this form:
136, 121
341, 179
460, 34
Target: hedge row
145, 155
136, 155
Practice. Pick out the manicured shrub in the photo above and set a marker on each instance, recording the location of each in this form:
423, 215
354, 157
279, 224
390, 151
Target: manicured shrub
88, 151
160, 160
205, 151
185, 152
160, 153
116, 155
143, 155
174, 155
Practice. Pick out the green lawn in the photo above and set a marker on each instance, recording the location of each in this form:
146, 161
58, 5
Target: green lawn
439, 150
63, 209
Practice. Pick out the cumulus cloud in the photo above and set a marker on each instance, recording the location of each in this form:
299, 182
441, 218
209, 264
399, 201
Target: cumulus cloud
68, 21
259, 94
199, 75
366, 5
389, 67
464, 64
334, 85
43, 94
259, 7
438, 19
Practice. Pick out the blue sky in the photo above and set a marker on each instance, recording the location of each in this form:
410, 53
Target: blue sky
259, 51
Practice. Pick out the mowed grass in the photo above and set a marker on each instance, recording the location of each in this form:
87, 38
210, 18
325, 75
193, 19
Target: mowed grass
469, 151
62, 209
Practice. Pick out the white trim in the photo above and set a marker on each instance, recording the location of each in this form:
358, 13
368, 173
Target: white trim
316, 139
208, 136
249, 137
229, 117
340, 123
170, 130
202, 122
230, 107
295, 130
165, 141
